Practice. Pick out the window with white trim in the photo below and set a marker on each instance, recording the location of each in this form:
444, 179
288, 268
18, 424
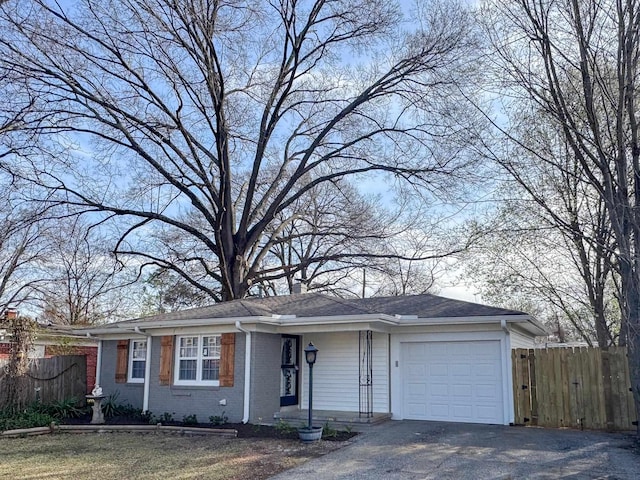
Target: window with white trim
198, 360
137, 360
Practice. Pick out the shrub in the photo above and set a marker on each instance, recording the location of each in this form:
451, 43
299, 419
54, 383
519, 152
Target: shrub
148, 417
128, 410
65, 409
328, 431
31, 417
284, 428
189, 420
166, 417
110, 406
219, 419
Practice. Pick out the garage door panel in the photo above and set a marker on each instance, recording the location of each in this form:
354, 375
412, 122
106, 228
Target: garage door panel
459, 348
418, 390
438, 390
463, 370
487, 392
487, 412
438, 370
462, 412
462, 390
486, 372
452, 381
439, 410
416, 409
417, 370
436, 349
479, 347
415, 351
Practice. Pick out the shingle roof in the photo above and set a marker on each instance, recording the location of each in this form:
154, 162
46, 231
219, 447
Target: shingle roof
321, 305
431, 306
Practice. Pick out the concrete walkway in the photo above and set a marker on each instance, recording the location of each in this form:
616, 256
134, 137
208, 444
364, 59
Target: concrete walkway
435, 450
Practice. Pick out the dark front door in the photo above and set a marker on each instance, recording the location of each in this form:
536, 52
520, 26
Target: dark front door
289, 368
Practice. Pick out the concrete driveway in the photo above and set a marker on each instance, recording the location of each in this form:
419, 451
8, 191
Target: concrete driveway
436, 450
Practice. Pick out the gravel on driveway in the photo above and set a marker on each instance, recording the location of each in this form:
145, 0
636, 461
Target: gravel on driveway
438, 450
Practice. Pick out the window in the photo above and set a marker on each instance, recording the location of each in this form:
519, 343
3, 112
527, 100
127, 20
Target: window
137, 360
198, 360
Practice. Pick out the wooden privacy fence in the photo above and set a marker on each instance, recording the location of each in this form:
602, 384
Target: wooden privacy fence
51, 379
573, 387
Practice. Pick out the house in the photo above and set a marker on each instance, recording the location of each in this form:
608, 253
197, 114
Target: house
418, 357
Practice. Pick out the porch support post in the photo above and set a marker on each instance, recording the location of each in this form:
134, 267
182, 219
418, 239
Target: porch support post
365, 383
99, 362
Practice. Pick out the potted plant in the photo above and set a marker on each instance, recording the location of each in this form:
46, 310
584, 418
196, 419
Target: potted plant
310, 434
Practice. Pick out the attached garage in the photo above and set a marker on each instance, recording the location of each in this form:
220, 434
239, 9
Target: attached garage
452, 374
452, 381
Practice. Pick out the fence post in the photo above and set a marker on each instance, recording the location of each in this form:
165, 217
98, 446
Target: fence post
608, 393
533, 388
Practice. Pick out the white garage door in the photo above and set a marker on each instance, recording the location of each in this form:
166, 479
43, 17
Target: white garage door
452, 381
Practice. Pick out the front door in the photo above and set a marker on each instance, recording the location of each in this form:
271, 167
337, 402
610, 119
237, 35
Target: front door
289, 368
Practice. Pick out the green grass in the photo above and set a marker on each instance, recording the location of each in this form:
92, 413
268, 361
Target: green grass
150, 456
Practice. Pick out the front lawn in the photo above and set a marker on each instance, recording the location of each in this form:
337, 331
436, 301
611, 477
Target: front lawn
151, 456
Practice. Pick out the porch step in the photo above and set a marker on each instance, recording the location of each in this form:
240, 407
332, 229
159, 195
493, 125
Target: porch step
335, 419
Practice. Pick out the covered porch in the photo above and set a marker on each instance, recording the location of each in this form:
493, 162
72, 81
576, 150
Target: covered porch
350, 378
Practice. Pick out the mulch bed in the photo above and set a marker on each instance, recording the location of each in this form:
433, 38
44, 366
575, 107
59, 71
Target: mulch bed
244, 430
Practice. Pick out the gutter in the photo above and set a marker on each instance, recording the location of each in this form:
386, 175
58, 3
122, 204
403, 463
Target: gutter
507, 365
247, 371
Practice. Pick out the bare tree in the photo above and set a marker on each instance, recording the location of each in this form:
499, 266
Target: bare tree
23, 245
551, 237
336, 238
331, 233
165, 291
577, 62
225, 115
427, 255
525, 262
85, 283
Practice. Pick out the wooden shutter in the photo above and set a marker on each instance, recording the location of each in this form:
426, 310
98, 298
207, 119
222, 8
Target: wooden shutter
122, 361
227, 355
166, 359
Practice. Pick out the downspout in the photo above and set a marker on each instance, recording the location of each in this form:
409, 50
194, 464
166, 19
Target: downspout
503, 325
508, 370
247, 370
147, 371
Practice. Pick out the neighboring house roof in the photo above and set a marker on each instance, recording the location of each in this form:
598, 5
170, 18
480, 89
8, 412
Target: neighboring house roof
47, 334
309, 308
